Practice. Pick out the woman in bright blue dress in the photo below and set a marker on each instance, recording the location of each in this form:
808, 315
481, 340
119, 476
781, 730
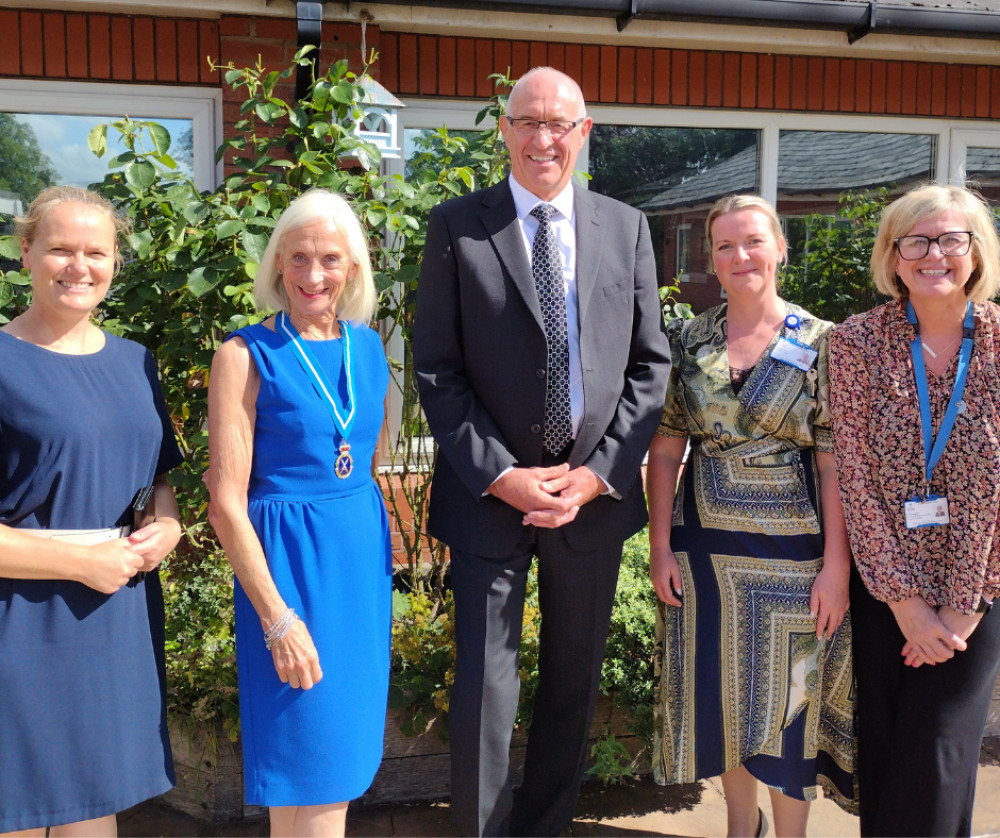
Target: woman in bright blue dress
295, 409
83, 427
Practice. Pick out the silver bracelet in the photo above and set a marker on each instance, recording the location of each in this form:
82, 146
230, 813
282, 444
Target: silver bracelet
279, 628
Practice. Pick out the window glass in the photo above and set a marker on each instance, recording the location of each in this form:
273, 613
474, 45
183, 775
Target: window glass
982, 172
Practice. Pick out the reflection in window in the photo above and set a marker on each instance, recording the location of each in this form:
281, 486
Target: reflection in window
684, 171
982, 172
39, 150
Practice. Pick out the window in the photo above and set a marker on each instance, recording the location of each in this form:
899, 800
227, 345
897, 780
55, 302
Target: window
682, 270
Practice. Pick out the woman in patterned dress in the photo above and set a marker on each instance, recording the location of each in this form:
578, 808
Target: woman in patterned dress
749, 554
923, 528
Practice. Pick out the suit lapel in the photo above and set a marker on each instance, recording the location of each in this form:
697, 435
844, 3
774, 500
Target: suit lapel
589, 241
499, 217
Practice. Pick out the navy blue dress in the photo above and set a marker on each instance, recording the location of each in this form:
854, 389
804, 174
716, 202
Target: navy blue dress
82, 709
326, 540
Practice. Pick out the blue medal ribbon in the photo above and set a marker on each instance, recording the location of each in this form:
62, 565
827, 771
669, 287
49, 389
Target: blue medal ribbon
933, 448
344, 463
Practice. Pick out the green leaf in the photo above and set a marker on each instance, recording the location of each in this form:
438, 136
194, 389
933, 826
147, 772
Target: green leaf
199, 284
10, 247
140, 174
228, 228
97, 140
261, 202
160, 137
254, 244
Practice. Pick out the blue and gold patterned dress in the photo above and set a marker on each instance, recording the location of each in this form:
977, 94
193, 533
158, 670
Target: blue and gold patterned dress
743, 679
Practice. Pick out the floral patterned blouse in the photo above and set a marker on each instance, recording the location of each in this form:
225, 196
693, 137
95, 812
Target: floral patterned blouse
880, 460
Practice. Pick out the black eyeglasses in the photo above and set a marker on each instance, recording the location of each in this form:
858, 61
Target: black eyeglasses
556, 127
950, 244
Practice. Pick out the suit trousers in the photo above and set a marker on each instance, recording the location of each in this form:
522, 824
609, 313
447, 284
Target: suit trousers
919, 729
576, 595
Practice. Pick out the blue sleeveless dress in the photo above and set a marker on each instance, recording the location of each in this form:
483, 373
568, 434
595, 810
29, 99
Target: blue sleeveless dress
83, 727
327, 545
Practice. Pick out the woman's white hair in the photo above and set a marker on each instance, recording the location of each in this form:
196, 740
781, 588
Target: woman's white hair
359, 299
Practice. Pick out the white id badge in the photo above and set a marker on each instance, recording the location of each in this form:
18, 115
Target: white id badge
794, 353
932, 512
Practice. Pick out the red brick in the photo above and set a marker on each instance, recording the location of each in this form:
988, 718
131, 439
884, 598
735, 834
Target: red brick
590, 78
32, 44
574, 61
748, 80
714, 80
446, 67
954, 85
537, 53
145, 49
937, 90
969, 98
609, 75
520, 59
427, 62
831, 84
166, 50
799, 79
696, 78
484, 66
54, 39
925, 88
121, 49
908, 96
237, 27
862, 86
814, 101
661, 77
765, 81
782, 82
731, 77
209, 46
982, 92
247, 53
556, 56
466, 85
679, 77
279, 29
10, 55
77, 47
187, 51
879, 88
893, 87
626, 75
848, 70
644, 76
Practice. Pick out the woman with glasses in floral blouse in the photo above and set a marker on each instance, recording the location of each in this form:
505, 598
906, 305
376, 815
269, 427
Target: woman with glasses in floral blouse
915, 396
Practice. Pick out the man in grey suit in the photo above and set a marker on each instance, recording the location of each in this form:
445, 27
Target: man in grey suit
542, 365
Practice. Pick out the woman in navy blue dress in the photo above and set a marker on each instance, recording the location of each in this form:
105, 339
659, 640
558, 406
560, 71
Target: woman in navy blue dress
295, 409
83, 428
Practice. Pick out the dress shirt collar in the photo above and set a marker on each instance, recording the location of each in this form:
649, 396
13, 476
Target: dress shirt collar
525, 201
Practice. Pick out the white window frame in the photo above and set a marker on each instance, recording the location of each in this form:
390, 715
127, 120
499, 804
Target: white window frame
202, 105
685, 231
952, 136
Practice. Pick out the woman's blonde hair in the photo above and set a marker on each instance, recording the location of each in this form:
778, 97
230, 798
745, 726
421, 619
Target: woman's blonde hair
735, 203
923, 202
359, 299
26, 226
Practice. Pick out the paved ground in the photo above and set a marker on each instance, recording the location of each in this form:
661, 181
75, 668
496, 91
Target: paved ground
639, 808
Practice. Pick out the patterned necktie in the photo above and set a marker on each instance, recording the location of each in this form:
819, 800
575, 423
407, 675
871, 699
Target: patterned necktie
546, 265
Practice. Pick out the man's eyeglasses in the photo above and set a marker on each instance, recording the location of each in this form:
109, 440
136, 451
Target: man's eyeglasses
525, 125
950, 244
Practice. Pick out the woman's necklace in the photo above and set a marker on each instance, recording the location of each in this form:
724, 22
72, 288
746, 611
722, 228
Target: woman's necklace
940, 352
344, 464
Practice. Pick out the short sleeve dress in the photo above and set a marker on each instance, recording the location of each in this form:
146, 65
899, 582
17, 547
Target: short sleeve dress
743, 679
326, 541
82, 710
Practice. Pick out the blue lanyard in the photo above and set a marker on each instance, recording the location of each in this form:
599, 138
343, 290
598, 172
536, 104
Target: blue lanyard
934, 448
